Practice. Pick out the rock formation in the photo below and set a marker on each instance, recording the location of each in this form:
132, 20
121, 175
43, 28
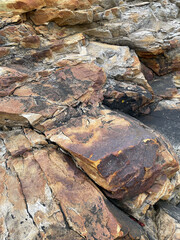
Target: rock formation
73, 163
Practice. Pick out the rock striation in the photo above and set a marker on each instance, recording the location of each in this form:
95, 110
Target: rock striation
73, 163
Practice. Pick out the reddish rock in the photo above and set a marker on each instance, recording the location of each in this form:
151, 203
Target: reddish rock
9, 79
18, 111
57, 98
80, 83
14, 34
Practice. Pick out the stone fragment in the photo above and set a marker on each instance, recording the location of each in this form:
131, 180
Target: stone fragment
23, 33
35, 138
19, 111
43, 209
9, 79
30, 42
41, 99
149, 28
68, 85
16, 143
148, 73
56, 192
62, 17
4, 51
163, 188
69, 44
18, 7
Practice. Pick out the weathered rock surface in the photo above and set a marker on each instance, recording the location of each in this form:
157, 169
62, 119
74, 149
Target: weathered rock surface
168, 221
128, 97
61, 62
45, 196
122, 156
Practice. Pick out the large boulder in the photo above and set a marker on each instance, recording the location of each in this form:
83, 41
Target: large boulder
120, 154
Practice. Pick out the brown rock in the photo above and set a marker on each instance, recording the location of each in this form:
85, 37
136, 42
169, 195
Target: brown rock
148, 73
18, 111
143, 155
17, 144
53, 80
14, 34
85, 82
30, 42
9, 79
14, 215
4, 51
43, 98
78, 202
69, 44
119, 62
57, 196
35, 138
62, 17
18, 7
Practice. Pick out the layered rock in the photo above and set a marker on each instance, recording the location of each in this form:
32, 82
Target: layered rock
62, 64
122, 156
168, 221
44, 195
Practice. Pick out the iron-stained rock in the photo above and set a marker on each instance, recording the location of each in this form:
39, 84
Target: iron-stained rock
128, 98
119, 154
61, 62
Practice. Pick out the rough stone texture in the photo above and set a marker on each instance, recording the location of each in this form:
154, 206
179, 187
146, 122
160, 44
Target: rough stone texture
52, 93
45, 196
9, 79
61, 62
128, 97
119, 154
168, 222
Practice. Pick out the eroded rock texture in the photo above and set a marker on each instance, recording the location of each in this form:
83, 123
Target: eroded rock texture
70, 71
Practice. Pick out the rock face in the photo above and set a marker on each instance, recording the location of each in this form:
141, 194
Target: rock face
68, 71
120, 155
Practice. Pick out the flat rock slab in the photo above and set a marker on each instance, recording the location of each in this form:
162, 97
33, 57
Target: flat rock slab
117, 152
53, 91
